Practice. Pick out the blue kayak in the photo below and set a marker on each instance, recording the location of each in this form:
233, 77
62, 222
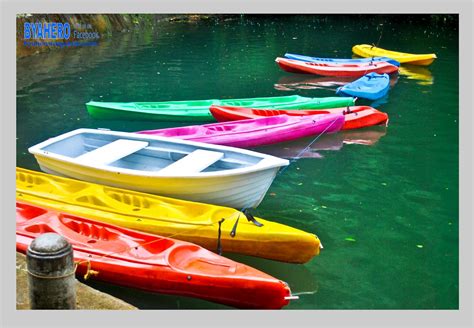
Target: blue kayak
341, 60
370, 86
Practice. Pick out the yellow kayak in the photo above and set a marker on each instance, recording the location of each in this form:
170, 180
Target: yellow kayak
367, 50
194, 222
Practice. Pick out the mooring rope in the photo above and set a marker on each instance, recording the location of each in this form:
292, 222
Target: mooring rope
298, 156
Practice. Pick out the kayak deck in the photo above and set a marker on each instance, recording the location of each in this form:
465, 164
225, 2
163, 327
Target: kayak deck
367, 50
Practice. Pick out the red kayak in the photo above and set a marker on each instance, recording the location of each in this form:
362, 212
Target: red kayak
149, 262
355, 117
329, 69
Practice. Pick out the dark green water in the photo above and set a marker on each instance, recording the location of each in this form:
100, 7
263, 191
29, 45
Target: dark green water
387, 213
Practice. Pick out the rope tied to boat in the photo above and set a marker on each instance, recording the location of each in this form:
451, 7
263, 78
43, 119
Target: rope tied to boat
89, 272
219, 245
298, 156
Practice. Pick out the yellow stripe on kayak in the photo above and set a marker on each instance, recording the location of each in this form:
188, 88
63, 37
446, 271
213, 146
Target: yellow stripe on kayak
367, 50
184, 220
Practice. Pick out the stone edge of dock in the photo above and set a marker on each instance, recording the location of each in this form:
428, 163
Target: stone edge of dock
88, 298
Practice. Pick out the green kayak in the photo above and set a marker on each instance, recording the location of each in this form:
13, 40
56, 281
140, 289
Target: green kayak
198, 110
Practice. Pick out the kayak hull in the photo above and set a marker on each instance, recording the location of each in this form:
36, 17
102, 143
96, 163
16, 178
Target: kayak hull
341, 60
189, 221
329, 69
355, 117
367, 50
256, 132
198, 110
371, 86
153, 263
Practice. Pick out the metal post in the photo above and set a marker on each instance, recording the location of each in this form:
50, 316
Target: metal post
50, 265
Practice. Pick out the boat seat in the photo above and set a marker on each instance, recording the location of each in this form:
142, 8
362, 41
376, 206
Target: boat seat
195, 162
111, 152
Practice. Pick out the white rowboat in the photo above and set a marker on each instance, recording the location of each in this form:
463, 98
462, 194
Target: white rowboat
170, 167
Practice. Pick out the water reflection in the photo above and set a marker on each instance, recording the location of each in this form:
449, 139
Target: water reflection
295, 82
297, 148
301, 82
412, 72
68, 62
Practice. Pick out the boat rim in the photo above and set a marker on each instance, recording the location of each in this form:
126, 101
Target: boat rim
267, 161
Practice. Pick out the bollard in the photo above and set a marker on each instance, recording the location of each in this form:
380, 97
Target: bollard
50, 266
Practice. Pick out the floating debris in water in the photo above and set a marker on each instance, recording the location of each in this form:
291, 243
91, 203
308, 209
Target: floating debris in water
419, 246
322, 206
349, 239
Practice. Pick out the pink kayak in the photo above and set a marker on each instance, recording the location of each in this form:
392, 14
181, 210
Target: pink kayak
256, 132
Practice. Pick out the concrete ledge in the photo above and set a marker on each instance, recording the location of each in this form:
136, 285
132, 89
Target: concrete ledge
87, 297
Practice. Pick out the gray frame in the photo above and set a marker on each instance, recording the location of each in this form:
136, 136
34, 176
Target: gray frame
381, 318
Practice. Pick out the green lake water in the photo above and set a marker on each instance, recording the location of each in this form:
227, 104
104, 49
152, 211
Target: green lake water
383, 201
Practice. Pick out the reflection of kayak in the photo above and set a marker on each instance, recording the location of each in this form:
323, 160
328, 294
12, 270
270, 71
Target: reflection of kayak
370, 86
417, 73
369, 136
255, 132
341, 60
355, 70
367, 50
332, 142
355, 116
136, 259
305, 82
296, 148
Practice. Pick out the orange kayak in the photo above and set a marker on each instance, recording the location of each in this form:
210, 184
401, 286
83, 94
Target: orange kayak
355, 117
154, 263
